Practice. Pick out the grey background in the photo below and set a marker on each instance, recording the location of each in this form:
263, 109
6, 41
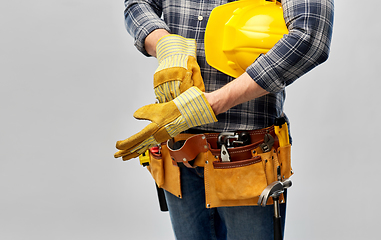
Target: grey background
71, 80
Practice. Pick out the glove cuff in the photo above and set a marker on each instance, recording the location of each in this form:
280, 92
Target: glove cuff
173, 44
194, 107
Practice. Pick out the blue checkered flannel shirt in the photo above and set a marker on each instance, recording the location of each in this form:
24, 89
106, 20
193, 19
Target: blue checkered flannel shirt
306, 45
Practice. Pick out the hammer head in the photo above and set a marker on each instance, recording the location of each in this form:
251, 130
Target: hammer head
273, 190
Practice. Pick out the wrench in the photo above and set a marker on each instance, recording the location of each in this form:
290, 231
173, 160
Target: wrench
268, 143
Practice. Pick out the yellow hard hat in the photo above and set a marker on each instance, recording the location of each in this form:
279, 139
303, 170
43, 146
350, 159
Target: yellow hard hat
238, 32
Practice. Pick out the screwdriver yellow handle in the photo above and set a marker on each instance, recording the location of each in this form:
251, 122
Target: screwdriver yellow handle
281, 131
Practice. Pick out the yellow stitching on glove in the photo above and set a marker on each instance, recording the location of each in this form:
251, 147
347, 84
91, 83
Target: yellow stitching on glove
175, 44
148, 143
179, 125
173, 61
195, 108
177, 62
166, 91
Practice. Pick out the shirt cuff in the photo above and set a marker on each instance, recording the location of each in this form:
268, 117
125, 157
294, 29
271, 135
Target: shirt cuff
144, 31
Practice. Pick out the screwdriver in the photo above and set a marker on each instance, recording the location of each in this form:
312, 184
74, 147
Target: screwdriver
281, 130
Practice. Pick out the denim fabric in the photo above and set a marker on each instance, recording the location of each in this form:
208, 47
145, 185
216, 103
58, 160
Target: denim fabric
191, 220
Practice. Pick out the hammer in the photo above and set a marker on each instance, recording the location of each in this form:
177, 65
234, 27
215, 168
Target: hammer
274, 190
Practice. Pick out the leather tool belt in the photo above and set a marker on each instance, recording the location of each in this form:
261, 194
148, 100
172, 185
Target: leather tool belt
236, 182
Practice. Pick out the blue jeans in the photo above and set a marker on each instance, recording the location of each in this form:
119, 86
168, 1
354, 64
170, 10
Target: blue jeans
191, 220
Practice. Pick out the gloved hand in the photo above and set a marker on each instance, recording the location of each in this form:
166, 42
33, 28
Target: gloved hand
188, 110
178, 69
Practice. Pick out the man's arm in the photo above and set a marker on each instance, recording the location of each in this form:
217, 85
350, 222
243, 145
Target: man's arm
141, 19
310, 26
152, 39
241, 90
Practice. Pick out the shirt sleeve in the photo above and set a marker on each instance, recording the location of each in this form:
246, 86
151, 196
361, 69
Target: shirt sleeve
141, 18
310, 24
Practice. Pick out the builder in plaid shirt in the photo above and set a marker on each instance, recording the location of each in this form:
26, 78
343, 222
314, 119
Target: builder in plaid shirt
251, 101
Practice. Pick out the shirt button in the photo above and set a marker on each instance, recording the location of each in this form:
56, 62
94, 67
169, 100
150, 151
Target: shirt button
200, 18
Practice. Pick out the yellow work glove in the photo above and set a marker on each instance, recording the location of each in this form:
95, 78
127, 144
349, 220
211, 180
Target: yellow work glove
188, 110
178, 69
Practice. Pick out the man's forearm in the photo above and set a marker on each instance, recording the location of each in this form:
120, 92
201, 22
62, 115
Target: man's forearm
240, 90
151, 40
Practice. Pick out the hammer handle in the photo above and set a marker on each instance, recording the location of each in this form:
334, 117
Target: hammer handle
162, 200
277, 229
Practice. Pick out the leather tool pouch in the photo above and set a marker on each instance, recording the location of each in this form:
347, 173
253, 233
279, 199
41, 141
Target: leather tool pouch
284, 156
241, 181
235, 183
165, 174
186, 152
